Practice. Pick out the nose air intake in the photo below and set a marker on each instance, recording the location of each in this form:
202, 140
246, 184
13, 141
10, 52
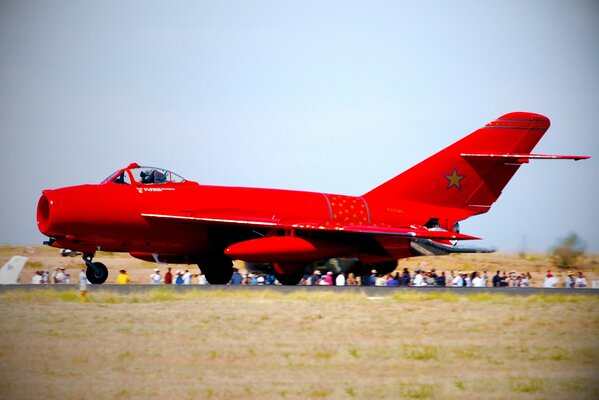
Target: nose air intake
43, 214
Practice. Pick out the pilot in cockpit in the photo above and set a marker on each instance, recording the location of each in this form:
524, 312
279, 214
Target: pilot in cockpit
153, 176
147, 177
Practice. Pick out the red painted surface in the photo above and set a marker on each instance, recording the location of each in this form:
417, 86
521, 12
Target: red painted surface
182, 221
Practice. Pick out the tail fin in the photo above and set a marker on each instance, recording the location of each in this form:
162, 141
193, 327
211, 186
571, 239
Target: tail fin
10, 272
467, 176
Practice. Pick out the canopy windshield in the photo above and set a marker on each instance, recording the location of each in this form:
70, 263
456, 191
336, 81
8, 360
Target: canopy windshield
152, 175
144, 175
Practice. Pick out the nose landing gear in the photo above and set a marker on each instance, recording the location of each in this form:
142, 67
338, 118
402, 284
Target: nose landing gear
96, 272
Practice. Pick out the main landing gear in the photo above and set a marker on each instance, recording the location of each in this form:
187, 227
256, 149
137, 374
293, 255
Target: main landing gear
217, 270
96, 272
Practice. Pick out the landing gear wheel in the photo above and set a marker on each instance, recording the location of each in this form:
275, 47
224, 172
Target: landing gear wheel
217, 270
219, 275
96, 273
289, 279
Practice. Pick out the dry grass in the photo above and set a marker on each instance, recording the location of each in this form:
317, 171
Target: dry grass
315, 345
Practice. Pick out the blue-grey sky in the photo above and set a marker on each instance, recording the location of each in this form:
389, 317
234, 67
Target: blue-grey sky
333, 96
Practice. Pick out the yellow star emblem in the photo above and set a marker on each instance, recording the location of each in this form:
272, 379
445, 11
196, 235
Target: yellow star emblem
454, 179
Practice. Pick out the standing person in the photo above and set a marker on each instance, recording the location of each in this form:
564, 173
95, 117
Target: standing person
179, 278
372, 279
405, 277
485, 277
525, 279
418, 279
513, 279
467, 280
380, 280
328, 278
123, 278
503, 280
550, 280
168, 277
570, 280
60, 276
340, 280
351, 280
37, 278
156, 278
187, 277
458, 281
315, 278
236, 278
450, 278
580, 281
496, 279
202, 279
477, 281
83, 284
441, 279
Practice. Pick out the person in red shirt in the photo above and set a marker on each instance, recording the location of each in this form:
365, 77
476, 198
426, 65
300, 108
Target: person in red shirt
168, 277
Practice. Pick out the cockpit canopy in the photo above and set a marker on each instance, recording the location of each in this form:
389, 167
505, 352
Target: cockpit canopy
144, 176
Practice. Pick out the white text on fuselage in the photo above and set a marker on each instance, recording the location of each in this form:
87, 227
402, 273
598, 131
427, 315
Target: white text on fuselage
154, 189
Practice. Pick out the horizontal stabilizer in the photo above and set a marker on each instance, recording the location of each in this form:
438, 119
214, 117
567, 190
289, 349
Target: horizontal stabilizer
520, 158
426, 247
410, 232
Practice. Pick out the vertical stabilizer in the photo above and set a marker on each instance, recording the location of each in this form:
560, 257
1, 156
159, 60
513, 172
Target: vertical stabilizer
456, 177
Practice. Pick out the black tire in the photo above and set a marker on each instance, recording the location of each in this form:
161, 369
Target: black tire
97, 274
217, 271
289, 279
219, 276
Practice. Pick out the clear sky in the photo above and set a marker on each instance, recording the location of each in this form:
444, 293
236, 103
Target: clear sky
331, 96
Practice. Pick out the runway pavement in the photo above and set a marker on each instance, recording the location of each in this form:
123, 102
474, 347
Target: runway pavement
370, 291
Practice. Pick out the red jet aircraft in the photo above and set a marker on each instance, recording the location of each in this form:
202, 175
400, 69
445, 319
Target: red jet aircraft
156, 215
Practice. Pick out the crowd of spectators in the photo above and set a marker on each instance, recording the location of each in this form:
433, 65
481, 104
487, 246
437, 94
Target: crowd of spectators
327, 278
59, 276
418, 279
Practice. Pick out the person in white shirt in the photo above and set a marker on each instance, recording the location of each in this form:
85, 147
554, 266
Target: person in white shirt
477, 281
550, 280
380, 281
37, 278
467, 280
418, 279
580, 281
156, 278
60, 276
340, 280
202, 280
187, 277
458, 280
83, 282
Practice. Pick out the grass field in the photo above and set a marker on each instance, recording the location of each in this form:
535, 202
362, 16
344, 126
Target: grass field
305, 345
